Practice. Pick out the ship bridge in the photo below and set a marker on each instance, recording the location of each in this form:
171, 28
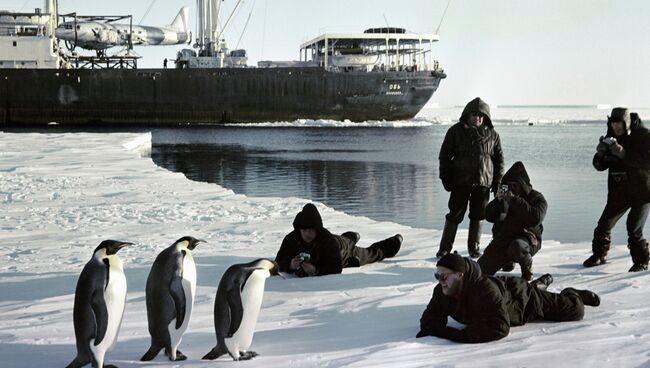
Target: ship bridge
386, 48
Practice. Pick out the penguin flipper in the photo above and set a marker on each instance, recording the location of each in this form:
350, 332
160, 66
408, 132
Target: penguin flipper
98, 305
236, 309
178, 295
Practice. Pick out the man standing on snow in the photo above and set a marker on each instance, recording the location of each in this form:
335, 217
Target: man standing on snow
471, 162
625, 151
488, 306
311, 250
517, 213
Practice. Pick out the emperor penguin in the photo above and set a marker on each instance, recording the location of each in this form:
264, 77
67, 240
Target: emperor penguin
237, 306
171, 288
99, 303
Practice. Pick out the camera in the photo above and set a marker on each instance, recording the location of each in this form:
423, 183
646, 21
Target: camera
304, 257
503, 189
608, 140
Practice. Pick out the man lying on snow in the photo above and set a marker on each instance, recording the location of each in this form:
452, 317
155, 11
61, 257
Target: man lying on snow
489, 305
311, 250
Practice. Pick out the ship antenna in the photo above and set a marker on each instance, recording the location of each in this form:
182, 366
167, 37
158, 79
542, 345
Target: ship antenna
245, 25
443, 16
386, 20
148, 10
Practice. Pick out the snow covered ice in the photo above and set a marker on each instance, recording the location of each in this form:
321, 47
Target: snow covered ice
61, 194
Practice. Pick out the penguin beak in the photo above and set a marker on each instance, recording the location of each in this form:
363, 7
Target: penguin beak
123, 245
194, 244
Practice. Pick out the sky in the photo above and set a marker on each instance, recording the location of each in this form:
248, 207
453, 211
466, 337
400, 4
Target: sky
507, 51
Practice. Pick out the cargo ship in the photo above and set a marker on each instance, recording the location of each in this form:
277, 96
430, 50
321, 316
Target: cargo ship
381, 74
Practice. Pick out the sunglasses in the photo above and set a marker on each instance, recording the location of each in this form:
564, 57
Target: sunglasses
442, 276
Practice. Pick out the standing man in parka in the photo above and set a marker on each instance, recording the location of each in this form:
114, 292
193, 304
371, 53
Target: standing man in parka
488, 306
625, 151
471, 163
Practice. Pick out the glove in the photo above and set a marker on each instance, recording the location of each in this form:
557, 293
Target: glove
617, 150
495, 188
602, 148
447, 184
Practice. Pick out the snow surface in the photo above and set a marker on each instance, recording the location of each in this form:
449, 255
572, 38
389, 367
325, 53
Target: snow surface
62, 193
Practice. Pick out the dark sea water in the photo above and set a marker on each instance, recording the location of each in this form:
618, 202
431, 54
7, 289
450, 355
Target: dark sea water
389, 171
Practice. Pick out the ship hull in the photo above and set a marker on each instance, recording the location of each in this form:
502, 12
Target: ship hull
208, 96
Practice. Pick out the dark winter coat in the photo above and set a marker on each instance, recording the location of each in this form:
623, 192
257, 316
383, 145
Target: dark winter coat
471, 156
518, 216
487, 306
629, 176
324, 250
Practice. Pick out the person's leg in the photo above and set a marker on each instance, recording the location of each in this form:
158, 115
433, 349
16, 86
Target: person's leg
457, 207
519, 251
386, 248
478, 199
635, 242
566, 306
494, 257
613, 211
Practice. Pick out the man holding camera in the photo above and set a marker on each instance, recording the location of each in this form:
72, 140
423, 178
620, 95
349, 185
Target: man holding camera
517, 212
625, 152
311, 250
471, 163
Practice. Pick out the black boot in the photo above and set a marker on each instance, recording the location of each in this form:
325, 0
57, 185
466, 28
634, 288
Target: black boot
526, 264
448, 236
474, 238
393, 246
588, 297
600, 247
640, 255
543, 282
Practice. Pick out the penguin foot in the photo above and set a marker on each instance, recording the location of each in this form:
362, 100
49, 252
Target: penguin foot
180, 356
109, 366
247, 355
151, 353
214, 354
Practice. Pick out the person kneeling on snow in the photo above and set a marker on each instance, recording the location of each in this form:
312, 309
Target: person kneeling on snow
517, 212
311, 250
489, 305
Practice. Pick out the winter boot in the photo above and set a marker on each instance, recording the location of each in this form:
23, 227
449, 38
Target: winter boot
474, 238
587, 297
640, 255
353, 236
392, 246
448, 236
543, 282
527, 271
599, 246
508, 267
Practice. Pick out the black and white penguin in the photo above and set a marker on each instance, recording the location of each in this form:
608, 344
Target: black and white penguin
99, 303
237, 306
171, 288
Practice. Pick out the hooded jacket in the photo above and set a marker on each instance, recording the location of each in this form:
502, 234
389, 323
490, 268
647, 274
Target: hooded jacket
628, 177
324, 250
487, 305
518, 216
472, 156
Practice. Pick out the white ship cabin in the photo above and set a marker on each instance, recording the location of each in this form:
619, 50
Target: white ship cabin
27, 41
376, 49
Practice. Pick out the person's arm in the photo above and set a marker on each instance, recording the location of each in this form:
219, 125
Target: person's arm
497, 164
434, 317
496, 210
288, 250
445, 158
638, 156
532, 213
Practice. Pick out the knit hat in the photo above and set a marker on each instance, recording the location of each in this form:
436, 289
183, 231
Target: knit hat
308, 218
452, 261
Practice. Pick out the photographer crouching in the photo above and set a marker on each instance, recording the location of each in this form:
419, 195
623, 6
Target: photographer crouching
517, 212
625, 152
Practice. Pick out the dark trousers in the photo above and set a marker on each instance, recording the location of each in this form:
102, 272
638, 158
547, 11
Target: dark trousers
477, 197
614, 210
560, 307
503, 251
